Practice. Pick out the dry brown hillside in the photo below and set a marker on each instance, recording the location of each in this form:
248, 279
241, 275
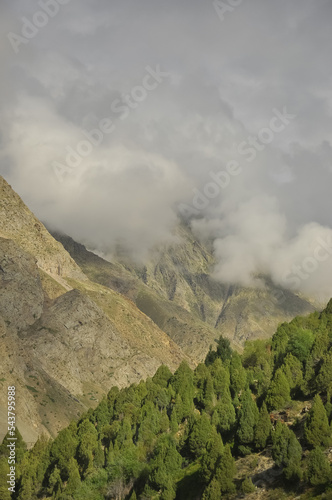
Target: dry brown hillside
65, 340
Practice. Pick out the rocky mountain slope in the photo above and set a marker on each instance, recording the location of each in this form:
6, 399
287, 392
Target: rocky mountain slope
65, 340
176, 290
73, 324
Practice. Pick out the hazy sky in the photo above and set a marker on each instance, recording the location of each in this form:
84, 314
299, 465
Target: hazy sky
179, 89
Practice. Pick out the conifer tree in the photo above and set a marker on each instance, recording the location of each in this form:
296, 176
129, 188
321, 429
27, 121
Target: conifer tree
162, 376
279, 343
287, 451
88, 445
247, 486
225, 471
321, 344
183, 384
238, 375
224, 416
247, 420
317, 431
212, 491
292, 368
64, 448
209, 397
257, 360
300, 343
319, 469
324, 379
221, 378
278, 393
263, 428
309, 383
211, 458
200, 435
164, 422
74, 478
55, 482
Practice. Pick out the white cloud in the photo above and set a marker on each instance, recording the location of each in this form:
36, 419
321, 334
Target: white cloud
225, 79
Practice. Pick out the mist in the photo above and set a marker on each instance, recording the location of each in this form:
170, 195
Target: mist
119, 119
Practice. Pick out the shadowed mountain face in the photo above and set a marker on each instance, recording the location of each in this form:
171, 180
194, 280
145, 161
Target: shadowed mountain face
176, 290
65, 340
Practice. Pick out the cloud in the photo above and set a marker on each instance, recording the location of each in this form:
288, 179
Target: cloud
224, 81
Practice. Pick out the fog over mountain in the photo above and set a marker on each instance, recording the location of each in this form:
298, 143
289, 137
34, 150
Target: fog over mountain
119, 117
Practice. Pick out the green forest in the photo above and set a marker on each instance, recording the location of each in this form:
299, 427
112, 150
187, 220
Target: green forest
192, 434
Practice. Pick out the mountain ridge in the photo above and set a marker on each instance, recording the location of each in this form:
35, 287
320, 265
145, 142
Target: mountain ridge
66, 339
176, 290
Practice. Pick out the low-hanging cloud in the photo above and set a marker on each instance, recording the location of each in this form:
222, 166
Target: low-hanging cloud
224, 83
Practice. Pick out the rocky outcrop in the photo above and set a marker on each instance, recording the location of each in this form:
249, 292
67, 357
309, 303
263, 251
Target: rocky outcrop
21, 292
19, 224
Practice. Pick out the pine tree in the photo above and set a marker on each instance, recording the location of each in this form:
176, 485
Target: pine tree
225, 471
183, 384
64, 448
319, 469
292, 470
164, 422
248, 418
309, 383
88, 445
101, 414
300, 343
317, 431
74, 478
162, 376
33, 467
165, 467
221, 378
55, 482
257, 360
292, 369
209, 397
211, 458
278, 393
224, 416
238, 375
287, 451
321, 344
200, 435
324, 379
212, 491
263, 428
279, 343
223, 352
247, 486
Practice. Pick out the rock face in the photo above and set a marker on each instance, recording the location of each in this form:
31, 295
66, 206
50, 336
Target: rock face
21, 292
65, 340
19, 224
176, 290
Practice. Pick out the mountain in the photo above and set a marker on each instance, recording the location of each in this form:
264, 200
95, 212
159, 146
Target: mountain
256, 426
73, 324
65, 339
176, 289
